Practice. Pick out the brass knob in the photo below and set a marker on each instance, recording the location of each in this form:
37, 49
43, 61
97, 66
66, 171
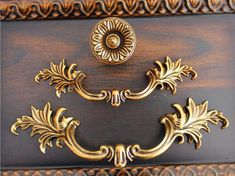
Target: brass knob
113, 41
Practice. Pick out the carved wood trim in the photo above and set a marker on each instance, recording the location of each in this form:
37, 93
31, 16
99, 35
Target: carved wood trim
54, 9
172, 170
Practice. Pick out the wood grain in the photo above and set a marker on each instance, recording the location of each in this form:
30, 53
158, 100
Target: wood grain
206, 43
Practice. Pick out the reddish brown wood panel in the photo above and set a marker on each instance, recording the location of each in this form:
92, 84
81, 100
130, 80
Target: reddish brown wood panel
206, 43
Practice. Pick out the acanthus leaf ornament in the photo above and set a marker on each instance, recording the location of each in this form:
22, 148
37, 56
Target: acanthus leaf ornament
55, 126
188, 121
67, 78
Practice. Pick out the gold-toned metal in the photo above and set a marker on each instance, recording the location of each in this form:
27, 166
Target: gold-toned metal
188, 121
113, 41
67, 78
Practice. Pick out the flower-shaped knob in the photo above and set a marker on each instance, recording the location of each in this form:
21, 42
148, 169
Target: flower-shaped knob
113, 41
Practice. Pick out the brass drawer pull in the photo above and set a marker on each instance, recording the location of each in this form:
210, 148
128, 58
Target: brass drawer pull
187, 121
66, 78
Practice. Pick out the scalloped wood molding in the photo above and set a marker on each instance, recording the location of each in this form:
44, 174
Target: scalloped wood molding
55, 9
171, 170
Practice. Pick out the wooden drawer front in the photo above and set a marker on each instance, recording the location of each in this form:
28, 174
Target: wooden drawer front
204, 42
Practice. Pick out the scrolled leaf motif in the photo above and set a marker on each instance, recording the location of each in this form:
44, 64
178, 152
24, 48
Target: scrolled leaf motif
187, 121
194, 118
61, 75
42, 124
170, 72
68, 78
60, 128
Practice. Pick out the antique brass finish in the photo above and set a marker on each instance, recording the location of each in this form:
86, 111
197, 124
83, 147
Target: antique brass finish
67, 78
113, 41
186, 121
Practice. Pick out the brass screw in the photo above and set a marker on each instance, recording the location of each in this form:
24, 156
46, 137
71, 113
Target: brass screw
113, 41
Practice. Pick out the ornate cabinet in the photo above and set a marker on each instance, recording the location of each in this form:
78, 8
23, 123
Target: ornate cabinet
166, 79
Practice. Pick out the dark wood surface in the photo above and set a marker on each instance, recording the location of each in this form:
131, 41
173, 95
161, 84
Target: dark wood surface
205, 42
